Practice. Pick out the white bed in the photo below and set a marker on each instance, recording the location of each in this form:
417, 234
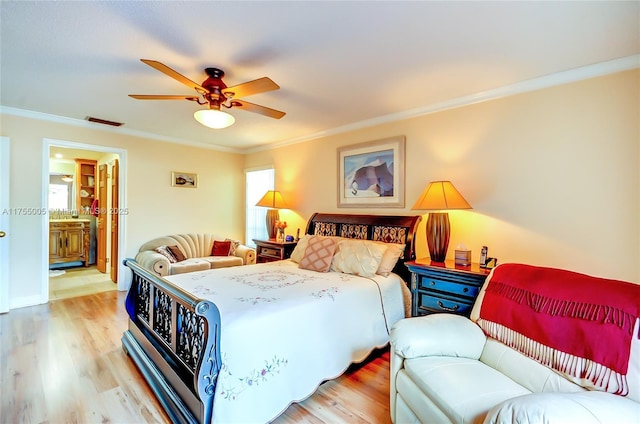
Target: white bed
284, 330
240, 344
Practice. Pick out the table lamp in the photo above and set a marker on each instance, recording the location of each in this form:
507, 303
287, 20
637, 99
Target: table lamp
439, 195
274, 201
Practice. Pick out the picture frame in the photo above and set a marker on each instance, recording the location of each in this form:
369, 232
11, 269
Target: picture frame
371, 174
184, 179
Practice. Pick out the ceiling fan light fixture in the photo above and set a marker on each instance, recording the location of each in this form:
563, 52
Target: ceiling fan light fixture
213, 118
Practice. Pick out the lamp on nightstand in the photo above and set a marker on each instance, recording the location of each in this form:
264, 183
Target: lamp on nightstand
439, 195
274, 201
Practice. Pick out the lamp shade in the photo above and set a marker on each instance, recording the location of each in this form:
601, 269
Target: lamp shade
272, 199
441, 195
213, 118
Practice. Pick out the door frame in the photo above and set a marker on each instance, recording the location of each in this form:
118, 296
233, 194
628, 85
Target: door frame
4, 223
122, 200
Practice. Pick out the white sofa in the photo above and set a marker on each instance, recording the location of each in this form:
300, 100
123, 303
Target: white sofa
446, 369
197, 249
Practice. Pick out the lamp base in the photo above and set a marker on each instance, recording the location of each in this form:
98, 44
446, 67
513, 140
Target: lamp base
438, 235
272, 217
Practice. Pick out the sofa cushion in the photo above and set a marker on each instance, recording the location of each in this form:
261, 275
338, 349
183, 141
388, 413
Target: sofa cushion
222, 261
221, 248
524, 370
464, 389
164, 251
588, 407
177, 253
234, 246
189, 265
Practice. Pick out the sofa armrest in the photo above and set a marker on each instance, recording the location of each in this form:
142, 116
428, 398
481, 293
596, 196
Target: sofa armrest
437, 335
247, 254
154, 262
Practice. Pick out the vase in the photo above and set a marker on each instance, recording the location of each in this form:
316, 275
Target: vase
280, 236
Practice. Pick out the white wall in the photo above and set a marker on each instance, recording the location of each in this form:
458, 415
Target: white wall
552, 175
155, 207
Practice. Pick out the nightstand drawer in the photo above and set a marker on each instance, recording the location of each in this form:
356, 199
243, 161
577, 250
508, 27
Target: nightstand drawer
269, 251
428, 303
443, 287
446, 286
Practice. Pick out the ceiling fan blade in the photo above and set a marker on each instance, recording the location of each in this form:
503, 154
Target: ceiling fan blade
260, 85
162, 97
262, 110
174, 74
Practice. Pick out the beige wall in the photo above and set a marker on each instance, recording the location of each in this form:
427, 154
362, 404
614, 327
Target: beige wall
155, 208
552, 175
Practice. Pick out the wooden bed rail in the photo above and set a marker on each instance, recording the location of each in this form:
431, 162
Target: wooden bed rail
180, 336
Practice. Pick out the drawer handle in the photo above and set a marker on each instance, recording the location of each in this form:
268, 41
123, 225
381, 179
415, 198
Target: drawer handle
466, 289
433, 283
441, 305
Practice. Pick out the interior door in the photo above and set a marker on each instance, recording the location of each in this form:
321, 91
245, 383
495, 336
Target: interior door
101, 219
115, 214
4, 224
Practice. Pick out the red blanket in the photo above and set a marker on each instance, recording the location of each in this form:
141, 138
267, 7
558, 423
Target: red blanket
577, 324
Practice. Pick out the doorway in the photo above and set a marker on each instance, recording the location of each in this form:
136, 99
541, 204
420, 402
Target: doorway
76, 279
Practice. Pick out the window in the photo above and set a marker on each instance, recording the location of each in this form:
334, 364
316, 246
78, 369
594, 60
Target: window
258, 182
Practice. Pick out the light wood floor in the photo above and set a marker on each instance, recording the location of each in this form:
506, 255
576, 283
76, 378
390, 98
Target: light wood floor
63, 363
79, 281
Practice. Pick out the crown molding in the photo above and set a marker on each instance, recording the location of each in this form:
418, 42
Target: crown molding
41, 116
546, 81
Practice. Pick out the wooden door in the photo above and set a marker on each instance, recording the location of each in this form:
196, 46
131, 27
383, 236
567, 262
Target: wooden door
101, 219
115, 214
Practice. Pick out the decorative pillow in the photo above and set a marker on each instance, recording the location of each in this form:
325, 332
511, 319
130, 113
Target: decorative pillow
389, 258
358, 257
234, 246
298, 251
221, 248
164, 251
177, 253
318, 254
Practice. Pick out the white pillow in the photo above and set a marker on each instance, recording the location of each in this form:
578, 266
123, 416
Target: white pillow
298, 251
390, 258
358, 257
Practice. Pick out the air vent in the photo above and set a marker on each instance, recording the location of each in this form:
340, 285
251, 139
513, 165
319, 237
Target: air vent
103, 121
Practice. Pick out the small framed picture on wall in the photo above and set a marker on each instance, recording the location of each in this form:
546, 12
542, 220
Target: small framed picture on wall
184, 179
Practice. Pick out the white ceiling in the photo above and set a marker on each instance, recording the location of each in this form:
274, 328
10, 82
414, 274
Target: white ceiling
337, 63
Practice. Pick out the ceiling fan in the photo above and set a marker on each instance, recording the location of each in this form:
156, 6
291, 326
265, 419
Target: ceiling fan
215, 93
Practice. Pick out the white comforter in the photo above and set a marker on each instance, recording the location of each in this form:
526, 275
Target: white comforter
285, 330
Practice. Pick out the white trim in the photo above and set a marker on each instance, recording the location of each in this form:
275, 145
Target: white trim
5, 164
41, 116
559, 78
123, 272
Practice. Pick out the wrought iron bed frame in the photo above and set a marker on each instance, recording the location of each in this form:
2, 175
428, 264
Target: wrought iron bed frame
173, 337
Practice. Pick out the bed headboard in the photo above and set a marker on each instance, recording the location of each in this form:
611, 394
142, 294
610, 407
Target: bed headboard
384, 228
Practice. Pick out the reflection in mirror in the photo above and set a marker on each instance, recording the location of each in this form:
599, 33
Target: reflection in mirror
60, 193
